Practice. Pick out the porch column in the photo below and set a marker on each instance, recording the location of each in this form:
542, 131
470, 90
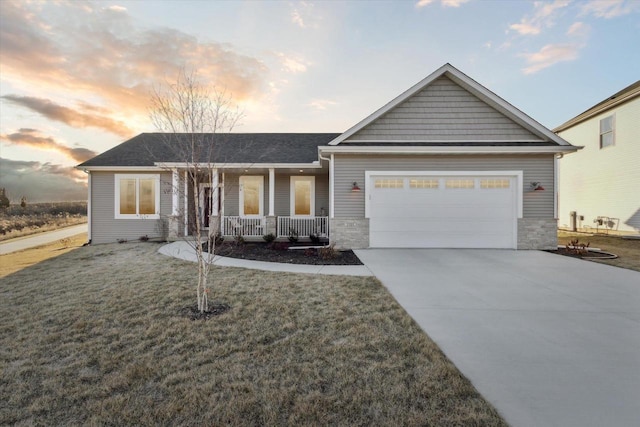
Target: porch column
186, 203
331, 188
221, 195
173, 220
215, 195
272, 191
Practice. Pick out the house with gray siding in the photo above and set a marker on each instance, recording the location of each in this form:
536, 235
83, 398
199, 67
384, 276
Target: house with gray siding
446, 164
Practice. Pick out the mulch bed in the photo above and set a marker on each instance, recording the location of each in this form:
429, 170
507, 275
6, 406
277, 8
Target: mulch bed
587, 255
193, 313
279, 252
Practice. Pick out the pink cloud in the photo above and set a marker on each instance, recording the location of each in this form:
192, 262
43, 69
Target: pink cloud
549, 55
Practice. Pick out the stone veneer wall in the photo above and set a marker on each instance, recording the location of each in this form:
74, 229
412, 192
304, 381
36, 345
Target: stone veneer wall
270, 225
349, 233
537, 233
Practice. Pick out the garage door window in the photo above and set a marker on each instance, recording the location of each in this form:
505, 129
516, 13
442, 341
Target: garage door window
389, 183
423, 183
495, 183
454, 183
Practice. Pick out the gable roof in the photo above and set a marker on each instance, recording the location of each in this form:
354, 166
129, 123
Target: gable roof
627, 94
147, 149
473, 87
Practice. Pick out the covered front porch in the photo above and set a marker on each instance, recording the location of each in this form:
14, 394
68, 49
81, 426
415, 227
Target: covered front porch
251, 202
279, 226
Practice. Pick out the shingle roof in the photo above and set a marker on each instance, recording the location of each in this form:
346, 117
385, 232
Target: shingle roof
626, 94
148, 148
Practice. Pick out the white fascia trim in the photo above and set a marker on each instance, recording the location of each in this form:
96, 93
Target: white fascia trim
469, 84
519, 175
128, 169
449, 150
439, 141
181, 165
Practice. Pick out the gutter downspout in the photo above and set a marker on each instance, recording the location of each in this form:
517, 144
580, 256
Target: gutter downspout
331, 184
555, 184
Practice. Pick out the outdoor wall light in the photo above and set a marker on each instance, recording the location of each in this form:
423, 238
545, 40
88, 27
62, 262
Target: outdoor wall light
536, 186
354, 187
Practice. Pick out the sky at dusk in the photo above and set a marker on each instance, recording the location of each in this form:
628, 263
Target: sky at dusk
76, 76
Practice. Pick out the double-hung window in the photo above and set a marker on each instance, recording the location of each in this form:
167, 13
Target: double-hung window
137, 196
607, 131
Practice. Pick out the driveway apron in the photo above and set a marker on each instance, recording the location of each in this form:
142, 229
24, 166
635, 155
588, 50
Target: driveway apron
548, 340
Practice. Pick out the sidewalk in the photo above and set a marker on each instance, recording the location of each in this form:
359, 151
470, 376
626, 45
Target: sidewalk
183, 250
34, 240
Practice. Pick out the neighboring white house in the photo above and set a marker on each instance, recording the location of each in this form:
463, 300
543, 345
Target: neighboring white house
601, 182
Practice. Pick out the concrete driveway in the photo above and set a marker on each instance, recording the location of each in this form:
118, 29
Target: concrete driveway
548, 340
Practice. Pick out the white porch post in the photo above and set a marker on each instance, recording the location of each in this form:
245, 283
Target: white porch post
221, 195
215, 192
272, 191
331, 187
175, 192
186, 204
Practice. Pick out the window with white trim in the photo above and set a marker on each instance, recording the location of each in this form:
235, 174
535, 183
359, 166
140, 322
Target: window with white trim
137, 196
251, 196
303, 195
607, 128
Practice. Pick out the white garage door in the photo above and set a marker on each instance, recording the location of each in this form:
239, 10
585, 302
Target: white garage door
442, 211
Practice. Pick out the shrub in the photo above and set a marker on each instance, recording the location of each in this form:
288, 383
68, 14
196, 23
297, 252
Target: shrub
144, 238
4, 200
310, 252
314, 238
575, 247
293, 235
219, 238
328, 252
239, 239
269, 237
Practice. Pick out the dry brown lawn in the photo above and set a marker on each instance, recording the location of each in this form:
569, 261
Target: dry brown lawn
94, 337
16, 261
628, 250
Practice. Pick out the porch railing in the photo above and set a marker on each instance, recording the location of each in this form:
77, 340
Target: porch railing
318, 225
238, 225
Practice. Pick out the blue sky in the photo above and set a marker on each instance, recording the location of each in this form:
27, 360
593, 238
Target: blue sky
75, 76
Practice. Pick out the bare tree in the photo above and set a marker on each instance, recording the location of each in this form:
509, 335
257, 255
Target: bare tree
192, 117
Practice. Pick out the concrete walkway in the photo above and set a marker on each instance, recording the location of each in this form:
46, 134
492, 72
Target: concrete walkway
34, 240
183, 250
548, 340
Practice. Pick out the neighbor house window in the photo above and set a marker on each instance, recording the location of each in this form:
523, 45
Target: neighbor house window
251, 195
137, 196
303, 195
607, 127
